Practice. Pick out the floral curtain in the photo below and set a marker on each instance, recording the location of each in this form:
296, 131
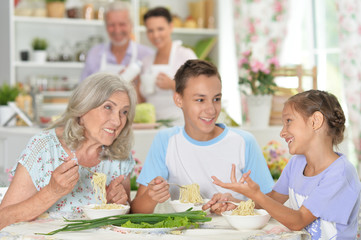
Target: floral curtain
260, 26
349, 14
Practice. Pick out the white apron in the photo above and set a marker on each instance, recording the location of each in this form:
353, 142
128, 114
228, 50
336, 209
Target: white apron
160, 98
117, 68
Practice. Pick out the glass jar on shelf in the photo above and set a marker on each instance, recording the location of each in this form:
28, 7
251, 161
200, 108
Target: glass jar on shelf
99, 9
66, 52
143, 8
88, 10
81, 49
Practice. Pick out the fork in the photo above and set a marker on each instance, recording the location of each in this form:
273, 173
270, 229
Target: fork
235, 203
87, 168
174, 184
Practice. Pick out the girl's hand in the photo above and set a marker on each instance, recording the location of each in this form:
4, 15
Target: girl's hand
64, 178
217, 206
165, 82
245, 185
158, 189
116, 192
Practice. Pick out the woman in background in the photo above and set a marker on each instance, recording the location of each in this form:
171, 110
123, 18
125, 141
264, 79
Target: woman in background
156, 82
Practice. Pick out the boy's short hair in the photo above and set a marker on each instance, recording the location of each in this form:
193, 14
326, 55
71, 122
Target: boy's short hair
193, 68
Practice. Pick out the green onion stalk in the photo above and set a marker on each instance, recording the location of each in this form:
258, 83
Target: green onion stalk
192, 217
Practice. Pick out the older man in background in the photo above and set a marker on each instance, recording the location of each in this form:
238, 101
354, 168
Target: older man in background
121, 52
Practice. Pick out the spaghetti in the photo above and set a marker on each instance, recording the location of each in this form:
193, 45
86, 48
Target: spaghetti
190, 194
109, 206
98, 182
245, 208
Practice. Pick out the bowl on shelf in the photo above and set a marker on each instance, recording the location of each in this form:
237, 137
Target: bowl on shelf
247, 222
181, 207
91, 212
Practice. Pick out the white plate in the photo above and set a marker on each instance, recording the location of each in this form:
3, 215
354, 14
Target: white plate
144, 230
92, 213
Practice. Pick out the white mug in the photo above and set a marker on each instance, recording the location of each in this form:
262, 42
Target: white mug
147, 83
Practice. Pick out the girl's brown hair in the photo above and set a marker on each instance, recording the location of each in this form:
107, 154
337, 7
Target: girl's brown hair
308, 102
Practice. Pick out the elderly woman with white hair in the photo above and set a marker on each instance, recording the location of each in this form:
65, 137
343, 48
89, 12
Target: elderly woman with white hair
121, 51
94, 132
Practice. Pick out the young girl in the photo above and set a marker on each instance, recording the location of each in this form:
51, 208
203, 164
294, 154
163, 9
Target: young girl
322, 186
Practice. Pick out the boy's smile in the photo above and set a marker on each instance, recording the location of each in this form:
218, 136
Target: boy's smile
201, 105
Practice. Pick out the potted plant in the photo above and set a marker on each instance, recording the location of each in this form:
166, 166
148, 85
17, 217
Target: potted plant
257, 83
7, 94
55, 8
39, 49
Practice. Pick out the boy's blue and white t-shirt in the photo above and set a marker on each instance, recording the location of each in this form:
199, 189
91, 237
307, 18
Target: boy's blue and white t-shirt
178, 158
332, 196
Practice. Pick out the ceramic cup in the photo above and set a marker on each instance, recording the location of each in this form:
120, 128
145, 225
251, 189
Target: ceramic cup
148, 83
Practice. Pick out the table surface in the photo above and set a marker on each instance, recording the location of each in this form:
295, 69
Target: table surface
218, 228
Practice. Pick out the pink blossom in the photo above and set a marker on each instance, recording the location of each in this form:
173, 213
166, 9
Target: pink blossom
246, 53
242, 61
274, 61
266, 71
278, 7
251, 28
256, 66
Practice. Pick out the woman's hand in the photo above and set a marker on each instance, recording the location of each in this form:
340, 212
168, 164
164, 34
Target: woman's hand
245, 185
116, 192
64, 178
217, 206
158, 189
165, 82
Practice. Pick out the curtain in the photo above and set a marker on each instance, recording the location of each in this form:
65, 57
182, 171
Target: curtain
349, 14
260, 26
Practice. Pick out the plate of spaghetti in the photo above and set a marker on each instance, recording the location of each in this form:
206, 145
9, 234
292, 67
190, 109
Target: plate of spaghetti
245, 217
93, 211
189, 197
103, 209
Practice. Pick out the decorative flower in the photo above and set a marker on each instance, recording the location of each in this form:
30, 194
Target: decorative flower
10, 176
133, 179
276, 157
257, 75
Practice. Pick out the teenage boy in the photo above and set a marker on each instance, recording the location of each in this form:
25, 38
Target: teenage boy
200, 149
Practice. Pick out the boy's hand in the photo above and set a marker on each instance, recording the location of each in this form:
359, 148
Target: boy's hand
219, 207
158, 190
245, 186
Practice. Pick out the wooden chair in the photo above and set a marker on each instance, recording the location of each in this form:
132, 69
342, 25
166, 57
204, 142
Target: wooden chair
299, 72
282, 94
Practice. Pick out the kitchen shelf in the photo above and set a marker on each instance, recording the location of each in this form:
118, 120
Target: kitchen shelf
66, 65
56, 93
58, 21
